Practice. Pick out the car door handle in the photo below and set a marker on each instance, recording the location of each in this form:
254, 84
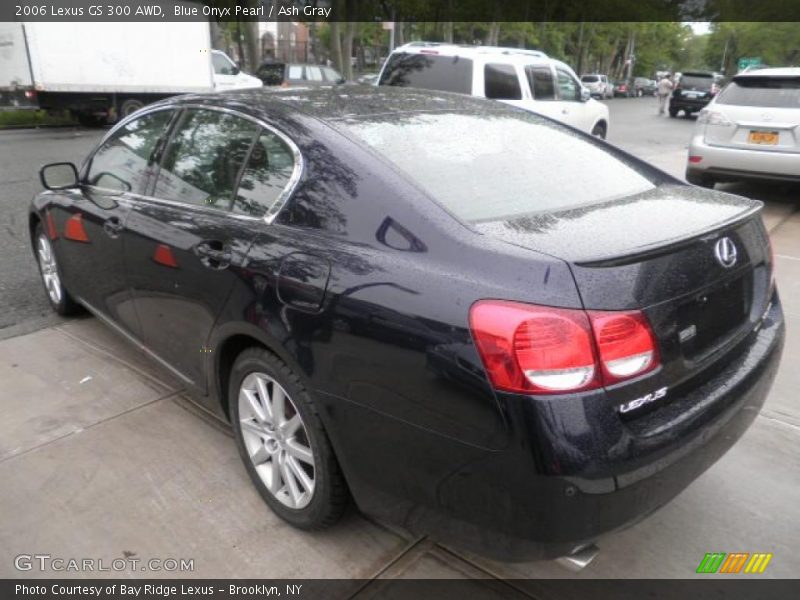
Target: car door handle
214, 255
113, 227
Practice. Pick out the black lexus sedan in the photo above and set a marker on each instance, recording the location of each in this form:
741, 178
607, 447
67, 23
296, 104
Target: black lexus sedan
474, 321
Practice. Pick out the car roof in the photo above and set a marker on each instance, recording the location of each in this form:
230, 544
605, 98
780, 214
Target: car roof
468, 51
770, 72
330, 103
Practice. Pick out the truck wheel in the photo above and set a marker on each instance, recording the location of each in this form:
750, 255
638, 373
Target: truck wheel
129, 106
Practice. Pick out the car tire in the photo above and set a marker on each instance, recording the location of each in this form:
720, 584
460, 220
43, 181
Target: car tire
673, 112
600, 130
697, 179
49, 270
288, 456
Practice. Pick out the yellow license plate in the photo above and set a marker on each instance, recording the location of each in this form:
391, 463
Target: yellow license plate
765, 138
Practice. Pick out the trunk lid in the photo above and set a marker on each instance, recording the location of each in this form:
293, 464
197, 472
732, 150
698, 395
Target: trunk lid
755, 128
658, 252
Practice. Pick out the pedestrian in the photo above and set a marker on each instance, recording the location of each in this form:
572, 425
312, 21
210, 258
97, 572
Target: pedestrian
664, 89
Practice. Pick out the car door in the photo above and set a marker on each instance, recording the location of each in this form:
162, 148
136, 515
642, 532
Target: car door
191, 236
568, 91
92, 226
225, 72
542, 88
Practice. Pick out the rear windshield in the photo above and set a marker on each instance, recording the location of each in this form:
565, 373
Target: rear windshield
700, 82
499, 165
429, 71
769, 92
590, 78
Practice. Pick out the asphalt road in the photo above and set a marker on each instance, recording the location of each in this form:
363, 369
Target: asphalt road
24, 306
635, 126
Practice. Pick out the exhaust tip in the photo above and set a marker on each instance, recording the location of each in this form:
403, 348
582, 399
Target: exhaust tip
580, 559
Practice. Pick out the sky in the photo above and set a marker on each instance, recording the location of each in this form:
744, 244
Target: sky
700, 27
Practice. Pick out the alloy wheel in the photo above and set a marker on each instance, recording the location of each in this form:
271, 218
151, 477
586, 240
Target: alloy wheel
276, 440
49, 270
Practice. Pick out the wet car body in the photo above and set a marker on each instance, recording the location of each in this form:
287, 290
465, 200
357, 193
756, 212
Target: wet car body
364, 285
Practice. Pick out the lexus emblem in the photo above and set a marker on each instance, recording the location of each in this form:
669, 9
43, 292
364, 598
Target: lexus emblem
725, 252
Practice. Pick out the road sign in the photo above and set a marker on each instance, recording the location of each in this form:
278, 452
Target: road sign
749, 61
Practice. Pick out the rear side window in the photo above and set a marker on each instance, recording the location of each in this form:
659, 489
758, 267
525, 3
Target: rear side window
501, 82
313, 73
429, 71
590, 78
203, 160
770, 92
541, 81
493, 166
120, 164
267, 173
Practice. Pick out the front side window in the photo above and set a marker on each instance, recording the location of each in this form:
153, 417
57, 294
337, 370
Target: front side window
541, 81
222, 66
590, 79
568, 88
267, 173
501, 82
202, 162
331, 75
121, 163
429, 72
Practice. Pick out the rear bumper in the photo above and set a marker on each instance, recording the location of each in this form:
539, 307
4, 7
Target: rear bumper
731, 164
573, 471
688, 104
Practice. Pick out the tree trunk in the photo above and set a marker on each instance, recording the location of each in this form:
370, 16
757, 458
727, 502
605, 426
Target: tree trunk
336, 46
217, 39
347, 49
448, 32
239, 43
253, 43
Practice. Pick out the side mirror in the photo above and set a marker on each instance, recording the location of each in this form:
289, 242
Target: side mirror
236, 70
341, 80
586, 95
59, 176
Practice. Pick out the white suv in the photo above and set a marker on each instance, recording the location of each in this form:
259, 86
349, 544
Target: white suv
524, 78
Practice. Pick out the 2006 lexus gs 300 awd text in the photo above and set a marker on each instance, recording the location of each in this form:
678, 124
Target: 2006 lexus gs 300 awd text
474, 321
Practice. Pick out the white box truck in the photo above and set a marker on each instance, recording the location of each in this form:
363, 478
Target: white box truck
103, 71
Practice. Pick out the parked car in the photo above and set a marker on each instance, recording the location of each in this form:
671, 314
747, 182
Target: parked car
474, 320
693, 91
527, 79
644, 87
283, 74
749, 130
598, 85
622, 88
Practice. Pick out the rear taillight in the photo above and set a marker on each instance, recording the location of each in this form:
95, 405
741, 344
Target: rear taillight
544, 350
625, 344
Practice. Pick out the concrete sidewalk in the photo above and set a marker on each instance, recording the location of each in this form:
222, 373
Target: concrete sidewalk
101, 456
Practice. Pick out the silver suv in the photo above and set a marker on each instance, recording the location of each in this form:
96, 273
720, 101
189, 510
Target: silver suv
751, 130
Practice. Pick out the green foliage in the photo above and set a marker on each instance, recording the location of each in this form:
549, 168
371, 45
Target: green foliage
33, 118
777, 44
